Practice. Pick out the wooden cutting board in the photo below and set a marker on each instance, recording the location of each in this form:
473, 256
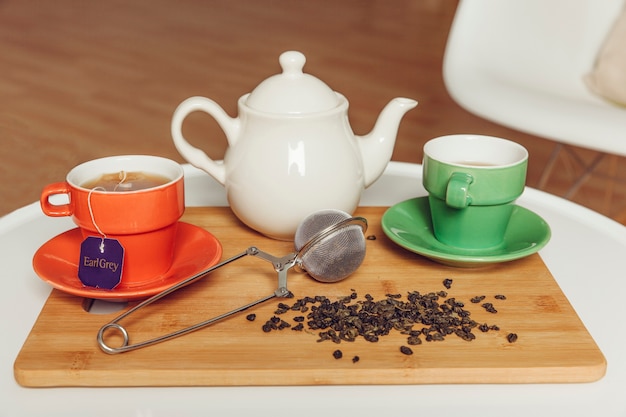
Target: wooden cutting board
552, 345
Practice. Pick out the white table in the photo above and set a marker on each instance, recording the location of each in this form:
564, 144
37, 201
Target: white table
586, 257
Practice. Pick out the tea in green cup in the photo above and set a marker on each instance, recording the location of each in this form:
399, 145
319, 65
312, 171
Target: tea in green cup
472, 183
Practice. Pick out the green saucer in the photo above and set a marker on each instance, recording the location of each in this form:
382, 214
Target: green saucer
408, 224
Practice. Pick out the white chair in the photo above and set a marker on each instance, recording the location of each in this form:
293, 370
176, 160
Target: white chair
520, 63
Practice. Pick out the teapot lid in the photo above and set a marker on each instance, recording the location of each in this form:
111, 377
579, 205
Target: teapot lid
292, 92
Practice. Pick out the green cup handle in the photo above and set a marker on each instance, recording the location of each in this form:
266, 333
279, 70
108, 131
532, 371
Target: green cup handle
457, 193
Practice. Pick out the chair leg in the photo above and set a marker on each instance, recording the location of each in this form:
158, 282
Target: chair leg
620, 216
589, 169
545, 175
610, 189
581, 180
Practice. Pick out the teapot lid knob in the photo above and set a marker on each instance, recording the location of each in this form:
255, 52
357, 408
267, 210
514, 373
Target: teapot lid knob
292, 91
292, 63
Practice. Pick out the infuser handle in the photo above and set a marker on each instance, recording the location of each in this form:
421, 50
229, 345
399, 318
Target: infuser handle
281, 265
125, 347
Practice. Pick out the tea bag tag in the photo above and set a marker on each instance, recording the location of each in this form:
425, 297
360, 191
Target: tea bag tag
100, 263
101, 258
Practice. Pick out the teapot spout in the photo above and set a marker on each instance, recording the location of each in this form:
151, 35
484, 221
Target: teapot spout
377, 146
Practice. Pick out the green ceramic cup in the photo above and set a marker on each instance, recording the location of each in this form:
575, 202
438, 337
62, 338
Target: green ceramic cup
472, 183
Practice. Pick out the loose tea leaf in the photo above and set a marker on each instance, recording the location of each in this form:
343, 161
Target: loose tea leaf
489, 307
406, 350
429, 317
477, 299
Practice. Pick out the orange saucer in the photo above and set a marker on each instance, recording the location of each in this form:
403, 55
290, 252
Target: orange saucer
56, 262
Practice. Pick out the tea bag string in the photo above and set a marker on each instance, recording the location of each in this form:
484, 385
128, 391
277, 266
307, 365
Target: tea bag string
93, 219
122, 177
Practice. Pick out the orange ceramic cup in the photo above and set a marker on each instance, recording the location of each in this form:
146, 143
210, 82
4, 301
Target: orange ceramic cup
143, 221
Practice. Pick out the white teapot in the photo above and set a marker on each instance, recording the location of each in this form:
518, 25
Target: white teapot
291, 149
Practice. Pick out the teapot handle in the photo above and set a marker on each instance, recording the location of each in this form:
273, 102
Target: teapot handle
193, 155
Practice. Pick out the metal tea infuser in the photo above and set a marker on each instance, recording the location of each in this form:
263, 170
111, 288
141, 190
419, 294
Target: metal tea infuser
330, 245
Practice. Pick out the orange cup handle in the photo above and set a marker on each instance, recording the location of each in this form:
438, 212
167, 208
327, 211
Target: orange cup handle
52, 209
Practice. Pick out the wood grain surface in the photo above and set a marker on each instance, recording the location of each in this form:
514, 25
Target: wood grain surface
83, 80
552, 346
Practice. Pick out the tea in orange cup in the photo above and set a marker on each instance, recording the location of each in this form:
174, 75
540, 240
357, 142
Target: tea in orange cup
132, 200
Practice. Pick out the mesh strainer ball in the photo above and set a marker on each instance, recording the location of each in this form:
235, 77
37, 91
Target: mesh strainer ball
330, 244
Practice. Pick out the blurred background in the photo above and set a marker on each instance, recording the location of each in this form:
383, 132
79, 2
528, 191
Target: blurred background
82, 79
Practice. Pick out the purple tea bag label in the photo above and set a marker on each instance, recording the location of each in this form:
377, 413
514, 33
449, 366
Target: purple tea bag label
100, 263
